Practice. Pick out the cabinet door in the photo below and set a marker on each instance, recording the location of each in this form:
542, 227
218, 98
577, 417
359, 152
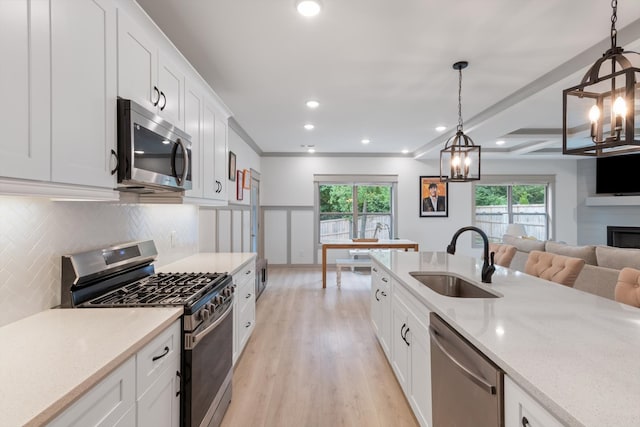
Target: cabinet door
193, 126
209, 186
376, 300
171, 86
221, 155
399, 347
520, 409
83, 95
160, 405
420, 359
106, 403
137, 64
25, 85
385, 315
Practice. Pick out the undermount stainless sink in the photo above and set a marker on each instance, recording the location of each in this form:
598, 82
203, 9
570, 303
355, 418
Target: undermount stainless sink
451, 286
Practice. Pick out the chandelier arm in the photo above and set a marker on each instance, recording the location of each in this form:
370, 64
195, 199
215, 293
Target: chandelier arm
594, 72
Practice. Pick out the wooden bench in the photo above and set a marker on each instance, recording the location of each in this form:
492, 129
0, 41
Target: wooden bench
349, 262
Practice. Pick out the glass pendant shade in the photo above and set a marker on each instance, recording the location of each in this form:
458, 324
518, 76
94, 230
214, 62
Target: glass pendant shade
460, 159
599, 115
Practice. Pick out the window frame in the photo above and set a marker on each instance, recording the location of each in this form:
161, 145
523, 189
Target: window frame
513, 180
355, 181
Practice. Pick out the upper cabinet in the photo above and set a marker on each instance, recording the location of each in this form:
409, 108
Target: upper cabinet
83, 92
25, 148
147, 75
58, 62
214, 153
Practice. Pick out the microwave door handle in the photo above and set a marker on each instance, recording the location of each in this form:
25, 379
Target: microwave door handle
174, 152
185, 162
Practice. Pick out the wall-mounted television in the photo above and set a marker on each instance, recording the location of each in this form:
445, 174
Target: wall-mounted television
618, 174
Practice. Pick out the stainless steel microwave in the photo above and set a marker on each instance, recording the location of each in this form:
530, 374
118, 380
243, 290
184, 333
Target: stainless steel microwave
153, 155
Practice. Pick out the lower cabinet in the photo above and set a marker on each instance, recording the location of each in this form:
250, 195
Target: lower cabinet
244, 307
402, 327
153, 372
521, 410
381, 307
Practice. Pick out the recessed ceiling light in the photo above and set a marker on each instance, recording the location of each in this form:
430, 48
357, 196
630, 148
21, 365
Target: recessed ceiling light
365, 141
308, 8
138, 151
405, 151
309, 126
501, 142
313, 104
441, 128
166, 142
311, 150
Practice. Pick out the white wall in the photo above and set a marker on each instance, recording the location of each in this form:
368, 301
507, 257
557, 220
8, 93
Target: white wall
593, 220
35, 233
288, 181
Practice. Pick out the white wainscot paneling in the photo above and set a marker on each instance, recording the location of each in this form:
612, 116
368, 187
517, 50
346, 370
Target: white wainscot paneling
275, 236
237, 231
302, 237
224, 231
246, 236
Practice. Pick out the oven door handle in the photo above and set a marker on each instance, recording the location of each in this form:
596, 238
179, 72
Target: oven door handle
191, 341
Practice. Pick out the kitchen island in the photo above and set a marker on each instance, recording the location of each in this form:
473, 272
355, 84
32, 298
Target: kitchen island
574, 352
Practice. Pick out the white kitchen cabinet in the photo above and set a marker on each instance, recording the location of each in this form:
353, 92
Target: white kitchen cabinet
411, 351
58, 70
193, 125
143, 391
381, 307
244, 307
214, 152
520, 409
25, 146
110, 402
147, 75
83, 92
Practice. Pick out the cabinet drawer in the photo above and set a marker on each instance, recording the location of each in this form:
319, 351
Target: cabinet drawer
107, 403
247, 321
245, 274
520, 409
164, 349
245, 294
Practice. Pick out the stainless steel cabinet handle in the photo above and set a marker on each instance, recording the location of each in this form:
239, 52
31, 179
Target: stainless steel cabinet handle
489, 388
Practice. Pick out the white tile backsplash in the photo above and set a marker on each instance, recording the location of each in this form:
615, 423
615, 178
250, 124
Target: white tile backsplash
35, 233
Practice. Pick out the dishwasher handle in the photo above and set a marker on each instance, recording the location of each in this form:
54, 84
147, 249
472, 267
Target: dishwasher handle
489, 388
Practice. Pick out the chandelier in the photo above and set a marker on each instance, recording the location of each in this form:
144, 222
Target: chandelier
460, 157
608, 102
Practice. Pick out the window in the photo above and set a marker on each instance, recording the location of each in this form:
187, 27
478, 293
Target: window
526, 202
355, 210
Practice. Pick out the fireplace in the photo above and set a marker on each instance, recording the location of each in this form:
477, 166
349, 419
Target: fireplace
623, 237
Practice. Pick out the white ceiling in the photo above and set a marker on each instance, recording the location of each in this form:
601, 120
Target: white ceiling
382, 69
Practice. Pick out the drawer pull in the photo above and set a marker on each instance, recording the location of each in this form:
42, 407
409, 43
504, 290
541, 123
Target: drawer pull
247, 325
525, 422
248, 296
166, 351
248, 272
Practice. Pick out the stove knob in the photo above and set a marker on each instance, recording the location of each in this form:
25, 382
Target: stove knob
233, 288
210, 307
204, 314
226, 292
219, 300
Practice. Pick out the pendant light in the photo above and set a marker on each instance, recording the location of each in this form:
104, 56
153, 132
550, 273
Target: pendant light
599, 114
460, 157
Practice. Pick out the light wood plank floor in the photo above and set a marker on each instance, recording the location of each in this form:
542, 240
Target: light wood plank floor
313, 358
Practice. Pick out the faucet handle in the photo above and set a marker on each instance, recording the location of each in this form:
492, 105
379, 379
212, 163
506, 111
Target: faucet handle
492, 256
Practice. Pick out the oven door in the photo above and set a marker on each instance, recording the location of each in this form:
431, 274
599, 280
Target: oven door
207, 372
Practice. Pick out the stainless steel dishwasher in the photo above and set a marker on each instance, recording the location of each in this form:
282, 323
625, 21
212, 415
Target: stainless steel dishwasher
466, 387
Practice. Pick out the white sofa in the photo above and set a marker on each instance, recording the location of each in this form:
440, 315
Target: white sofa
603, 263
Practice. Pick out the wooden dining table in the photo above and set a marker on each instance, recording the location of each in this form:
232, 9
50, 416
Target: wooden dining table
363, 244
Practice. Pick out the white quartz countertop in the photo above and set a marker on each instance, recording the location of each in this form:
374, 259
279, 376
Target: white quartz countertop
51, 358
576, 353
210, 262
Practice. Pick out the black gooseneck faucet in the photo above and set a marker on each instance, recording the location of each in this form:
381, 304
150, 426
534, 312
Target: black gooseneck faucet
488, 266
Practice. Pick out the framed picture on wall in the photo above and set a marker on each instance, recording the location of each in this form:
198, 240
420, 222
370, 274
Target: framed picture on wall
239, 189
246, 179
434, 197
232, 166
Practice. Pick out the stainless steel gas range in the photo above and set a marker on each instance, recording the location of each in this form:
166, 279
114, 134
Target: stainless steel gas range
124, 276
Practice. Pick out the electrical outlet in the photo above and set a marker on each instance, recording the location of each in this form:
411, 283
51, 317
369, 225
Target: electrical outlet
174, 238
